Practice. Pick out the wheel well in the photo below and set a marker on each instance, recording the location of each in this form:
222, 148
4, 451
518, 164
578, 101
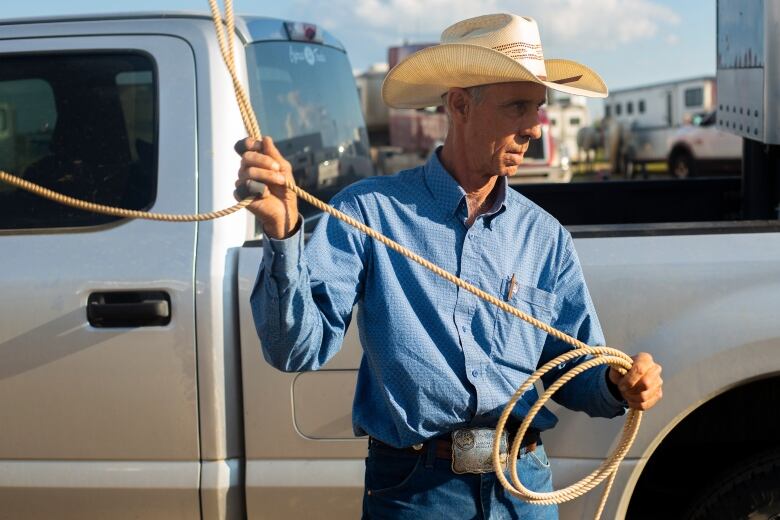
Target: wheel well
720, 433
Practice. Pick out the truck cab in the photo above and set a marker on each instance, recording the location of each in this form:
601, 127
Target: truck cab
121, 384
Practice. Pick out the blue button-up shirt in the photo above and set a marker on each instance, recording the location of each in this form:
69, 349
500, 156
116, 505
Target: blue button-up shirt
435, 357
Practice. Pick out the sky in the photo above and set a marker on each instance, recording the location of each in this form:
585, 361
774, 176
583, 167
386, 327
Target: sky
628, 42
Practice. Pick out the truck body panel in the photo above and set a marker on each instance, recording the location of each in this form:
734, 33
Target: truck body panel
104, 405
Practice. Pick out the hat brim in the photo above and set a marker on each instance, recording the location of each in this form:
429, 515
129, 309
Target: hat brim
421, 79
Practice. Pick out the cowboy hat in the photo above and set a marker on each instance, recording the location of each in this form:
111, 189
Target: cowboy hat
494, 48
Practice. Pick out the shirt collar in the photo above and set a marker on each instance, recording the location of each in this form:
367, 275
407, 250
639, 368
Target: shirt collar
449, 194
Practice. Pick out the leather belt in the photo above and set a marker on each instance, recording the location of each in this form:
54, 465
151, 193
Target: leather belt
443, 445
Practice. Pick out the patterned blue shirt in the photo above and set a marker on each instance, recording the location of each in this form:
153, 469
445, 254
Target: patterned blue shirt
435, 357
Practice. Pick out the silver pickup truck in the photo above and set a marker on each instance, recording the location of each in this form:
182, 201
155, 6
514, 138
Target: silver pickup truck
132, 383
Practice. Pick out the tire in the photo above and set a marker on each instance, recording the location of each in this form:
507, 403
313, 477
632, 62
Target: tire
681, 164
750, 490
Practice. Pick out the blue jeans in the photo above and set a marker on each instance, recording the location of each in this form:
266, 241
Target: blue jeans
406, 486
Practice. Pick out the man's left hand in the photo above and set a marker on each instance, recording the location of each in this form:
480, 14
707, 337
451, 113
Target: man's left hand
641, 386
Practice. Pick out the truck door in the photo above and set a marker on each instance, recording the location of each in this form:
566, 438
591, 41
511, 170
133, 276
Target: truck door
98, 389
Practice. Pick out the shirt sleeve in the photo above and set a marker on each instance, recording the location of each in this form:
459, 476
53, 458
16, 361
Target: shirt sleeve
303, 298
576, 316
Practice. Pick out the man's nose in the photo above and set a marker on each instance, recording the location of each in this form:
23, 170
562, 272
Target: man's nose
532, 127
532, 132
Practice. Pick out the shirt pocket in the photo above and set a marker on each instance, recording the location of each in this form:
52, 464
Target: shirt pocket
515, 342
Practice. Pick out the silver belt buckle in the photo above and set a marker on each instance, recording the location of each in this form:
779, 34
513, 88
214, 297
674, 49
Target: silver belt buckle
472, 450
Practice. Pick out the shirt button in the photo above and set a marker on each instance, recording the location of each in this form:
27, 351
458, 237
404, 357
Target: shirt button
475, 372
464, 328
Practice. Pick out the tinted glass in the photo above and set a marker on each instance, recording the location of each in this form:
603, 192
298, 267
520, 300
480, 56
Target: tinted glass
694, 97
306, 99
82, 125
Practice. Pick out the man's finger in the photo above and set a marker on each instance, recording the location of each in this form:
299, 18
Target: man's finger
269, 148
631, 378
250, 188
644, 404
261, 174
642, 363
244, 145
259, 160
650, 380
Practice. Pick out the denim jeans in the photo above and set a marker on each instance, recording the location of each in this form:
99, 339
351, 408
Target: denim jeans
405, 486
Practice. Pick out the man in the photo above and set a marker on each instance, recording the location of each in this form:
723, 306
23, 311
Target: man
439, 364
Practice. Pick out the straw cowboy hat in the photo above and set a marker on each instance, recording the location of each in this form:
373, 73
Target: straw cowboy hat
494, 48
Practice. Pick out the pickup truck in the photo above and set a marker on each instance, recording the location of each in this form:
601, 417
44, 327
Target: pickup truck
132, 383
703, 146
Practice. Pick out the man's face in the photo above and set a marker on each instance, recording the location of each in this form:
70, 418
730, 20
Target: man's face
500, 126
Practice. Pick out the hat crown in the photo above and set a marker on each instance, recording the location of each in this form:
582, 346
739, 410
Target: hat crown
515, 36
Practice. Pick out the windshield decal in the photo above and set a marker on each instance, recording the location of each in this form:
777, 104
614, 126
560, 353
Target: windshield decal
310, 55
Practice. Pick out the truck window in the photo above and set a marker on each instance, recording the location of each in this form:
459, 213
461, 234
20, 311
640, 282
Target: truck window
306, 99
694, 97
80, 124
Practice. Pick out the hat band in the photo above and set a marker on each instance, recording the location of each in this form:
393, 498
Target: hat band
521, 50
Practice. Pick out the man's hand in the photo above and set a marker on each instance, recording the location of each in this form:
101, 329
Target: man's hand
277, 207
642, 386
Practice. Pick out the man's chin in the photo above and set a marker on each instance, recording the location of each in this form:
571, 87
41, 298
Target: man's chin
509, 170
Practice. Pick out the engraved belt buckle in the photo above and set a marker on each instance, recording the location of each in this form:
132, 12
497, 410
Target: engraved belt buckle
472, 450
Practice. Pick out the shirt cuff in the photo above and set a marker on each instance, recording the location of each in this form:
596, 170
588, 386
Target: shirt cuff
282, 257
607, 394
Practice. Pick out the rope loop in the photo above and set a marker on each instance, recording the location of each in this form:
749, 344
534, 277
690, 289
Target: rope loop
607, 470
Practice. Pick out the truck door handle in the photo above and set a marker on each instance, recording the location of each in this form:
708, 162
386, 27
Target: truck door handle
129, 309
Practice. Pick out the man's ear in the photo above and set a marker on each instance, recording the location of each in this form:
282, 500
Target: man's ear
459, 103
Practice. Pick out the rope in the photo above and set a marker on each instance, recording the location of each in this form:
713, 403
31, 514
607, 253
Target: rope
117, 212
602, 355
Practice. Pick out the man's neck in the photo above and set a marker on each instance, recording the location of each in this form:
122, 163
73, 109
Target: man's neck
480, 189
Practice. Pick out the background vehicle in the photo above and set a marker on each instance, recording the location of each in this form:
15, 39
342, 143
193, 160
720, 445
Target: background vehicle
703, 147
653, 124
166, 408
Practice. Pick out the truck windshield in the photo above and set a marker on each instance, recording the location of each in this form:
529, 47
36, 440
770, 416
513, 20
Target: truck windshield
305, 98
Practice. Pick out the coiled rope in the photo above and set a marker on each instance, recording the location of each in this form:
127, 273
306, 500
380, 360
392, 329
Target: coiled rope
601, 355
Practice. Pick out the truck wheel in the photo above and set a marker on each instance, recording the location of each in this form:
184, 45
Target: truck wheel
750, 490
681, 164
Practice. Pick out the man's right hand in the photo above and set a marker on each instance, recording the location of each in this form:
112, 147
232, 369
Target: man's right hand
277, 207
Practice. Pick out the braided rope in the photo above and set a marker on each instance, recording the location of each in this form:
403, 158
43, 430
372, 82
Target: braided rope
117, 212
602, 355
